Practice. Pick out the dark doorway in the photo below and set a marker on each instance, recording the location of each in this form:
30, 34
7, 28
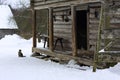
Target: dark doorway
81, 29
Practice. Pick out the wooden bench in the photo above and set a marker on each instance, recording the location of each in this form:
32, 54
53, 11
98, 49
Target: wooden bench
57, 39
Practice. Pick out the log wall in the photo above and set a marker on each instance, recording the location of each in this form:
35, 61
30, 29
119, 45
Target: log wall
62, 21
112, 32
63, 27
42, 4
93, 27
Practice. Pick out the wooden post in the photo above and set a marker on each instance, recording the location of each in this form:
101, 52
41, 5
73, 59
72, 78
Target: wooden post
74, 45
98, 43
48, 26
88, 45
51, 29
34, 27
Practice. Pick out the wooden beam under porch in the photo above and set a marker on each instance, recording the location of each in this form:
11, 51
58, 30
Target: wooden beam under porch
63, 56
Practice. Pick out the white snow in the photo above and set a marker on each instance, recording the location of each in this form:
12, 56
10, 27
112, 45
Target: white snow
29, 68
5, 19
102, 50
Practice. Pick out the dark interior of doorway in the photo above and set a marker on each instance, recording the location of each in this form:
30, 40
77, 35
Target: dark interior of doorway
81, 29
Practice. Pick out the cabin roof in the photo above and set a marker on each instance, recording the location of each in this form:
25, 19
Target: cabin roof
5, 18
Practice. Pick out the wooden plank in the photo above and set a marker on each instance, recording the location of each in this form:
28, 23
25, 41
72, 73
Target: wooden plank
65, 41
62, 23
93, 42
93, 31
62, 13
63, 31
93, 36
61, 26
94, 21
74, 45
67, 8
51, 29
62, 3
62, 56
93, 27
82, 7
48, 1
65, 36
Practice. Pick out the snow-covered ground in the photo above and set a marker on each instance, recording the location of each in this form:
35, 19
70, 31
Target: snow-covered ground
29, 68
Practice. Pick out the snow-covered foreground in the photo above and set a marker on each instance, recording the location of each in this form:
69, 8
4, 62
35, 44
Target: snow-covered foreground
14, 68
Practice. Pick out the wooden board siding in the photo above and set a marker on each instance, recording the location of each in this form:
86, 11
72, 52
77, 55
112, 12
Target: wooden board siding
42, 4
62, 28
93, 28
113, 29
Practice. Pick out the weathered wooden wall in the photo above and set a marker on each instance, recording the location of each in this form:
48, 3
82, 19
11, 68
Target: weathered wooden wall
112, 32
93, 27
62, 21
63, 27
42, 4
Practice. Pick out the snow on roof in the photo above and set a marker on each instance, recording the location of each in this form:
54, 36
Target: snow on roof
17, 3
5, 18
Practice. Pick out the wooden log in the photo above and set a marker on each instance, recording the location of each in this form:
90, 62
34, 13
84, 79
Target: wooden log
62, 56
47, 4
62, 9
61, 26
34, 27
74, 45
93, 27
93, 31
93, 22
62, 23
65, 36
51, 29
65, 31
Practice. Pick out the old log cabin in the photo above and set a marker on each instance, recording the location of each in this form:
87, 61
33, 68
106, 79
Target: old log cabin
78, 29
